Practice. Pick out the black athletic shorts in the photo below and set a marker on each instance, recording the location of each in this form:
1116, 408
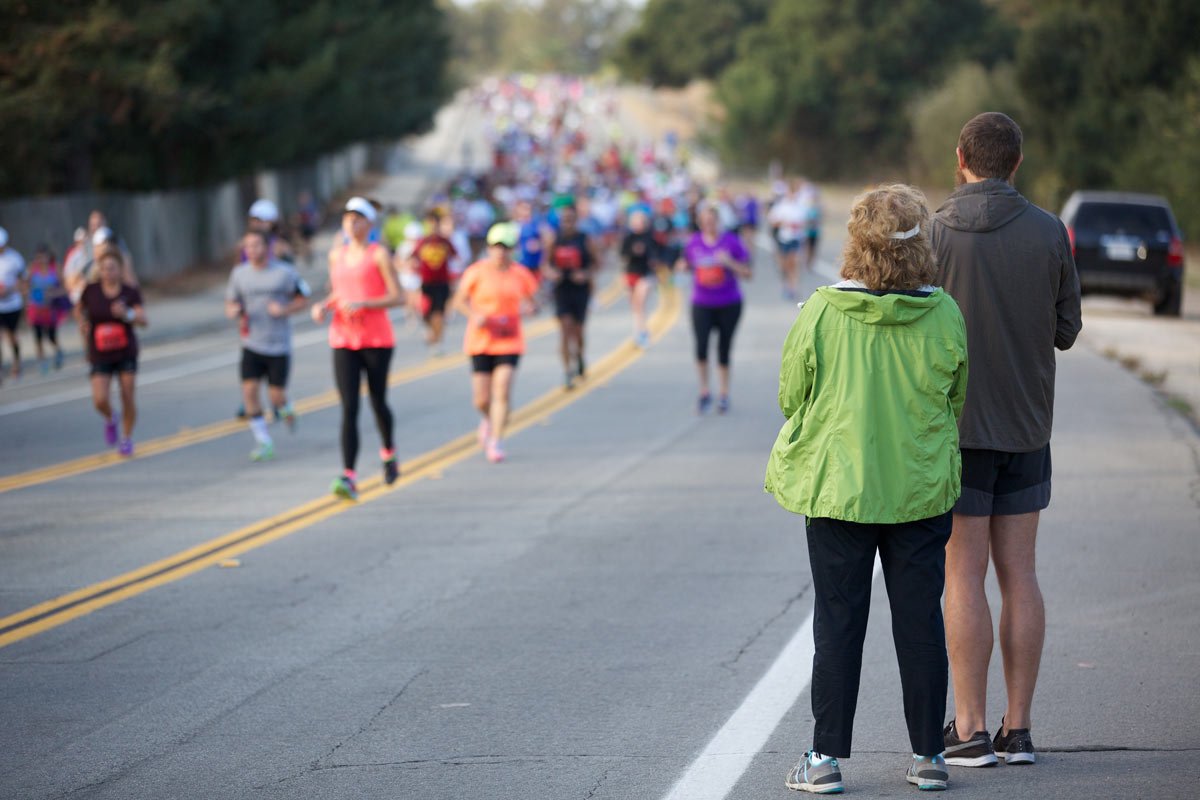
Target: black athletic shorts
486, 363
438, 294
256, 366
571, 300
10, 319
995, 483
115, 367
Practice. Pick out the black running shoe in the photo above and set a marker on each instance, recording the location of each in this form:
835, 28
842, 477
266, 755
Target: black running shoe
974, 752
1016, 745
391, 470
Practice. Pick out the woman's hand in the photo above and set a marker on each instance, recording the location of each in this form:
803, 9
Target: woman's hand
318, 312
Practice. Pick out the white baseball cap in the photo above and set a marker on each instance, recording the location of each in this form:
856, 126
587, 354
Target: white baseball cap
264, 209
103, 235
361, 205
3, 237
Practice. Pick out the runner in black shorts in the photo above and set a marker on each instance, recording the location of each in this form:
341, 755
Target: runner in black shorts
261, 295
493, 294
431, 257
108, 311
569, 263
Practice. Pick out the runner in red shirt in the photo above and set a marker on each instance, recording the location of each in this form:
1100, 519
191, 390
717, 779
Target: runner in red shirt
431, 257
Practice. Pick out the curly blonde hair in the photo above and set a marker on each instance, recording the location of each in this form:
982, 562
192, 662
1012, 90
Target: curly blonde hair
876, 258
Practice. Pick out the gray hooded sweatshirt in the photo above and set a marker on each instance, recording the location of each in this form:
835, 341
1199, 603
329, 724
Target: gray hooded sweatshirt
1008, 265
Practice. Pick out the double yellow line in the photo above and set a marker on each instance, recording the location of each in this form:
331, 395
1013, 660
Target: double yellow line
52, 613
215, 430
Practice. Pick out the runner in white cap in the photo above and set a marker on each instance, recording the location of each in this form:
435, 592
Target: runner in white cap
263, 215
363, 286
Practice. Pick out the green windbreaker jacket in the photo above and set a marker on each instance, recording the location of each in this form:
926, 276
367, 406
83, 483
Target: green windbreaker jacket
872, 387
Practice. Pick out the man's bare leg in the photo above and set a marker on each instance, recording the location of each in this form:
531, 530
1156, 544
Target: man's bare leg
1023, 614
968, 620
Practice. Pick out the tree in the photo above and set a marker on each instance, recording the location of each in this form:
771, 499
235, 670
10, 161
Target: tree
1089, 70
825, 84
678, 41
116, 94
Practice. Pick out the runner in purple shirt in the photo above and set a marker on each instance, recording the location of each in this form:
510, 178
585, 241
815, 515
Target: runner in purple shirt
716, 261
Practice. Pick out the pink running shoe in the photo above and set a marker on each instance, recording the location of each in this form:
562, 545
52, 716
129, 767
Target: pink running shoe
110, 432
494, 453
485, 432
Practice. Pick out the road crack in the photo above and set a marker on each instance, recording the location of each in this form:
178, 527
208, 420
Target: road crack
592, 792
366, 726
758, 634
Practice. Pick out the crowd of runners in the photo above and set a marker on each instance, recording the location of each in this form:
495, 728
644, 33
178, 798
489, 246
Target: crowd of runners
566, 196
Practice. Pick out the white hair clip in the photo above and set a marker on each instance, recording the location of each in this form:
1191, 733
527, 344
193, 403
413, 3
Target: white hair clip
908, 234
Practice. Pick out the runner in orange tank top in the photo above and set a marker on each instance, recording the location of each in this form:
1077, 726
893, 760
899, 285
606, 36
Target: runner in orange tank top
493, 294
363, 286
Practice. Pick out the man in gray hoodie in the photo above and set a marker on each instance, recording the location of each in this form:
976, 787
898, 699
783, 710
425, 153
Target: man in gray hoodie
1009, 266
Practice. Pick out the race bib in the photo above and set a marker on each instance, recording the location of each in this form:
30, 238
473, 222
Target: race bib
710, 276
568, 257
110, 337
501, 326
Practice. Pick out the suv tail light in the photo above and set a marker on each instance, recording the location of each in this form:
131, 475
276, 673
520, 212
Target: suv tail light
1071, 236
1175, 253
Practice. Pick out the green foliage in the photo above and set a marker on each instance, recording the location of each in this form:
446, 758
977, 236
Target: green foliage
677, 41
118, 94
1107, 93
841, 75
1098, 78
937, 116
1165, 159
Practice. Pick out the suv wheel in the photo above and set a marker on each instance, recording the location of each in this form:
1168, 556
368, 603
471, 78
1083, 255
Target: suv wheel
1171, 303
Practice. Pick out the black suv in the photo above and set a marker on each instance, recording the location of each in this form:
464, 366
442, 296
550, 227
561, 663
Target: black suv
1127, 244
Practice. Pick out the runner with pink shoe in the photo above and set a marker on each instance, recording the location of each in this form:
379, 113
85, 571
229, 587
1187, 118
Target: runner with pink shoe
493, 294
108, 311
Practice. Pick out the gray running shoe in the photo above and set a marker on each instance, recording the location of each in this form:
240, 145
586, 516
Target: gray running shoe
974, 752
824, 777
928, 773
1016, 745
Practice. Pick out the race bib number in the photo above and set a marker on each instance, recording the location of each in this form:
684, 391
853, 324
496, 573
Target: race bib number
110, 337
710, 276
501, 326
568, 257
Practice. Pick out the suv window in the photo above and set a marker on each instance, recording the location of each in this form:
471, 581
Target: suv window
1145, 222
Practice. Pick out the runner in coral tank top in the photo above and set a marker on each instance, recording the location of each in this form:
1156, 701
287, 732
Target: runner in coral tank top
363, 286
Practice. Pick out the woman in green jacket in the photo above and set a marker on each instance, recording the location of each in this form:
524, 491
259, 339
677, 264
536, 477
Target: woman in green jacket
873, 379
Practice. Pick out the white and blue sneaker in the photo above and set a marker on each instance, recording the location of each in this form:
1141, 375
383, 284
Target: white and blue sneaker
817, 774
928, 773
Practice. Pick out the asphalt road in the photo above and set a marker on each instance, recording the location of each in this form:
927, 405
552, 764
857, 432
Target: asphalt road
578, 622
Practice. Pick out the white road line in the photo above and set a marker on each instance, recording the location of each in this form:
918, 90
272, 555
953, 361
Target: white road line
722, 763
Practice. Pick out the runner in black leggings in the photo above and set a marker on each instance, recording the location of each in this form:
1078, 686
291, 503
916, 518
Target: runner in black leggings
716, 261
362, 287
